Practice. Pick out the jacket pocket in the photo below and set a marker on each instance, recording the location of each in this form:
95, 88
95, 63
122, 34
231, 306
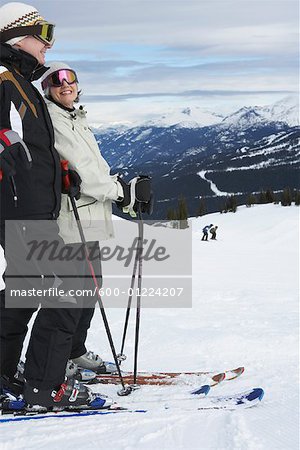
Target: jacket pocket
84, 216
97, 216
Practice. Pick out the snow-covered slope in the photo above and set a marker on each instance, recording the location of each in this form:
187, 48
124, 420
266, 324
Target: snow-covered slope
245, 312
286, 110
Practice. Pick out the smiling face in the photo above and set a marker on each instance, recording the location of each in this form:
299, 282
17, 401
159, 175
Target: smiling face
65, 94
34, 47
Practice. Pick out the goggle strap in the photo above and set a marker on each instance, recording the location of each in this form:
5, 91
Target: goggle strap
31, 30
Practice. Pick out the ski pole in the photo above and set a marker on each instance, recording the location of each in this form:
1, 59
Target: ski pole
12, 186
14, 190
138, 306
138, 259
121, 356
128, 389
125, 390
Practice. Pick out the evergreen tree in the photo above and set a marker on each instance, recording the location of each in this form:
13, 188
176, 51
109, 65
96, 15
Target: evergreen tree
231, 204
286, 197
182, 213
262, 197
251, 200
171, 214
297, 198
201, 210
179, 215
270, 196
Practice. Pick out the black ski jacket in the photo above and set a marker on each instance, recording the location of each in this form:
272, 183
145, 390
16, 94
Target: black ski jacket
38, 189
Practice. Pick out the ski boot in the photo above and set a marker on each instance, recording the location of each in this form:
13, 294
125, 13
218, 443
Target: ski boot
11, 386
11, 397
84, 375
70, 395
72, 371
93, 362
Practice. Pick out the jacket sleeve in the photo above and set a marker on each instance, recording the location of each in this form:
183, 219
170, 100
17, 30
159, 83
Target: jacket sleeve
91, 166
5, 106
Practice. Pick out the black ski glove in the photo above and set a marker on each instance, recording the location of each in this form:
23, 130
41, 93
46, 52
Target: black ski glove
137, 194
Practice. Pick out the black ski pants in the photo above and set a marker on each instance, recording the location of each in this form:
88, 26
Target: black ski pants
87, 312
80, 335
49, 347
205, 236
53, 332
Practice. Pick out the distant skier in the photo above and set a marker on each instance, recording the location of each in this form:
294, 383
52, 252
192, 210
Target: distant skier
213, 232
205, 232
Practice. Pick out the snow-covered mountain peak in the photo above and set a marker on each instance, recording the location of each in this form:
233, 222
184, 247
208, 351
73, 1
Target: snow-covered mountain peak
285, 110
245, 116
187, 117
188, 124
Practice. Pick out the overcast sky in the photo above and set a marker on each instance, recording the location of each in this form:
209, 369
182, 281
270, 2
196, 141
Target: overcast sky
136, 58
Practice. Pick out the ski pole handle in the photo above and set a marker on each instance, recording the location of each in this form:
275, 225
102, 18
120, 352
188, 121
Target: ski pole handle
65, 174
71, 180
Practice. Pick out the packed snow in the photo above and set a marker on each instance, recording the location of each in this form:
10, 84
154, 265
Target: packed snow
212, 185
245, 312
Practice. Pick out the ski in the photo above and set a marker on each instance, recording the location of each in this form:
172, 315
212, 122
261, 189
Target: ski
22, 416
171, 378
241, 400
231, 402
245, 399
16, 409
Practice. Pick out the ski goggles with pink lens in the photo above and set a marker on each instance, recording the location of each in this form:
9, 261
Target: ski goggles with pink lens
57, 78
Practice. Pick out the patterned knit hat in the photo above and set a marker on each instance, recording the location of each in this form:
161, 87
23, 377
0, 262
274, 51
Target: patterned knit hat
14, 15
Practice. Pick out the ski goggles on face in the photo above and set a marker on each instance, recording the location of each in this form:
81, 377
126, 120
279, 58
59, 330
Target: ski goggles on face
42, 31
57, 78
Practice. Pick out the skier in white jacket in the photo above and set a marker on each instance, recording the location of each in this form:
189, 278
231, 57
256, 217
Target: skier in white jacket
76, 143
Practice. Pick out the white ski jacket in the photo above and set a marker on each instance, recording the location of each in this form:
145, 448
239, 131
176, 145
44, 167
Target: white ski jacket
76, 143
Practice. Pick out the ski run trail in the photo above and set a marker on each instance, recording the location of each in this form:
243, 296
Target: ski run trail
244, 313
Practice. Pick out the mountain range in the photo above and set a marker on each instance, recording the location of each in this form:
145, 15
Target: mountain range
197, 153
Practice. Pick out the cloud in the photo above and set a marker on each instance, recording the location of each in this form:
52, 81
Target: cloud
185, 94
133, 48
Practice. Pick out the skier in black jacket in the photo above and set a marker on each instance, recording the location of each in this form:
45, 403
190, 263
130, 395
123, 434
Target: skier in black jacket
30, 185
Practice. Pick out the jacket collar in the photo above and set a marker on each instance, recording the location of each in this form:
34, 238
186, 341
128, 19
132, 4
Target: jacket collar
22, 62
67, 112
70, 110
